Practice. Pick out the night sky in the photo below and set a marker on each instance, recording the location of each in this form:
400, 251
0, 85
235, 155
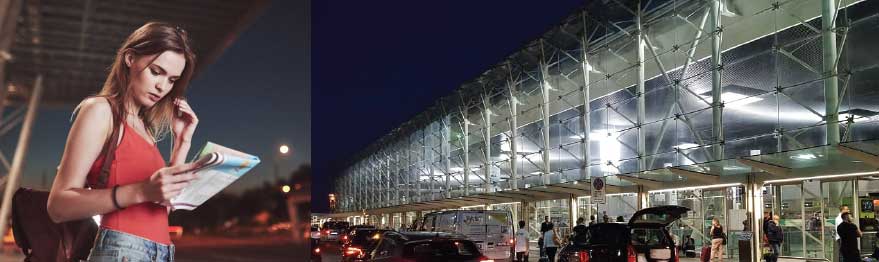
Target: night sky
378, 63
254, 98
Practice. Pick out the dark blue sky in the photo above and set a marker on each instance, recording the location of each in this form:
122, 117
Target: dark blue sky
378, 63
254, 98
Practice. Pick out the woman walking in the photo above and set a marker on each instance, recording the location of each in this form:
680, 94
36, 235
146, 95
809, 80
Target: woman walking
717, 237
551, 243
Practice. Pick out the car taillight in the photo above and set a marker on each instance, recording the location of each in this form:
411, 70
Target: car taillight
345, 237
485, 259
631, 251
353, 251
317, 250
583, 256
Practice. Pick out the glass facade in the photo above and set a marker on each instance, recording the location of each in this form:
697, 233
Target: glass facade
681, 94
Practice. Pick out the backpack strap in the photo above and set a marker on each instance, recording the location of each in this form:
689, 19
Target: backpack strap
110, 148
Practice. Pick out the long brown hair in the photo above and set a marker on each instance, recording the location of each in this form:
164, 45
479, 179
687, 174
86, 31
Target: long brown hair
150, 39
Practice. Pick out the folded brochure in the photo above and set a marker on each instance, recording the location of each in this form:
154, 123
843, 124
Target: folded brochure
219, 166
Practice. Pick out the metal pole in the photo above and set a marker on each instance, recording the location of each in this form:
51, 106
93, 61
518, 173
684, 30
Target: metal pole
514, 125
585, 114
466, 137
544, 88
716, 89
447, 155
398, 171
641, 104
831, 93
10, 11
486, 104
20, 152
428, 161
388, 177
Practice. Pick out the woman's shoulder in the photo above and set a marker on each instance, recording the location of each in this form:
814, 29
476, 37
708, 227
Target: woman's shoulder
94, 105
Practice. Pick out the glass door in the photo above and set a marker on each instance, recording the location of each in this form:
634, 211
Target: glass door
835, 194
714, 203
790, 209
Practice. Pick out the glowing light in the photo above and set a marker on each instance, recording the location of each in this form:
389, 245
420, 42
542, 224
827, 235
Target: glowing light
285, 189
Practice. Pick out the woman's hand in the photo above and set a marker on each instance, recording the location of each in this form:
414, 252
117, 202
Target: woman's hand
167, 183
184, 123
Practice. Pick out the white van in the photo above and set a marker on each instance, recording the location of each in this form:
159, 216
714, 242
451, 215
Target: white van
491, 230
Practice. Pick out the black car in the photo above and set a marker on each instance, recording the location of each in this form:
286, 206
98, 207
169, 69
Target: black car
426, 247
360, 242
644, 238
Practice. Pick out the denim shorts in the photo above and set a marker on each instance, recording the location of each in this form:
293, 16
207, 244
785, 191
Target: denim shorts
116, 246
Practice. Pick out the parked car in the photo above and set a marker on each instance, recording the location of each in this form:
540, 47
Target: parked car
332, 230
315, 233
360, 243
345, 234
644, 238
426, 247
490, 230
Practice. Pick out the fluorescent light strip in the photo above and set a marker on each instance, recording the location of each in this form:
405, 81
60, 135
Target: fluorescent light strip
695, 187
821, 177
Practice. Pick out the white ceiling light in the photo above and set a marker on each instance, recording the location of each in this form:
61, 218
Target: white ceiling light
734, 100
686, 146
806, 156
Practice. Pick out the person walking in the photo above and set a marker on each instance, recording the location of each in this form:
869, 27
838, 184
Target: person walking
551, 243
775, 236
522, 243
543, 228
848, 239
717, 239
836, 222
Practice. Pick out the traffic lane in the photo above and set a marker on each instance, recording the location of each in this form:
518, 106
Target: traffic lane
233, 249
330, 252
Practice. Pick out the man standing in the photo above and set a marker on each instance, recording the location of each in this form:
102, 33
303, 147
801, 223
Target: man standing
836, 255
543, 228
592, 220
848, 234
775, 236
522, 243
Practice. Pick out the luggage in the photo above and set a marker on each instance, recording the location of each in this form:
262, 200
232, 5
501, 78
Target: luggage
706, 254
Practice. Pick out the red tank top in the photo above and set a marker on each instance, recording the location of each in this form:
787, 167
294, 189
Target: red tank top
135, 161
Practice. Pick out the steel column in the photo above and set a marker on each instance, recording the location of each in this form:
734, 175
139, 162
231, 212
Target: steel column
21, 149
514, 126
9, 12
544, 90
640, 93
585, 114
831, 92
466, 138
486, 124
447, 156
716, 70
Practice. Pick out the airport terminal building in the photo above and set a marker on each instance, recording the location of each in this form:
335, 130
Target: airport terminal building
731, 108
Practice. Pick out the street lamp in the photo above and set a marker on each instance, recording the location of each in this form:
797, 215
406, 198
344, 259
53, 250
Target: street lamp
283, 150
285, 189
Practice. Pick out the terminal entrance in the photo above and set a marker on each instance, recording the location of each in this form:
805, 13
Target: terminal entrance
808, 210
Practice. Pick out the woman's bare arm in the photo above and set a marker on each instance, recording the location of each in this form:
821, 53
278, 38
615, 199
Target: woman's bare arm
178, 154
68, 199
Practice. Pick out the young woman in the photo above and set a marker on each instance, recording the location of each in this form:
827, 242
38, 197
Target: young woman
716, 241
143, 95
551, 242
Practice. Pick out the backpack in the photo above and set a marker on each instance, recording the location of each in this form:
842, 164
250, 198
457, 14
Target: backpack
39, 238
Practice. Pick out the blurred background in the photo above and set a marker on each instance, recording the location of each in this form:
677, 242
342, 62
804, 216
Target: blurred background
251, 93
